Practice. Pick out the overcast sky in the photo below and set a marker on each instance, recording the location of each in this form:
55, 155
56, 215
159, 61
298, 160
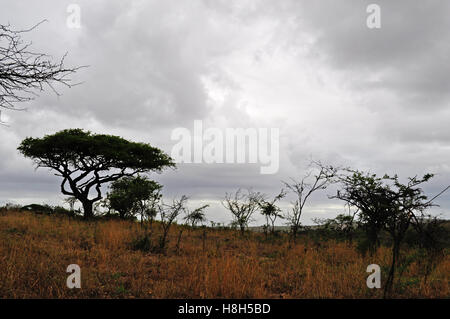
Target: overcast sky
372, 99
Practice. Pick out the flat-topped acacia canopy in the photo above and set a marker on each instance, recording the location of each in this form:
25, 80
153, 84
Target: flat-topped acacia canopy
85, 160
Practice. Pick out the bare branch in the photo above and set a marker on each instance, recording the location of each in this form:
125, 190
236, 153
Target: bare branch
24, 72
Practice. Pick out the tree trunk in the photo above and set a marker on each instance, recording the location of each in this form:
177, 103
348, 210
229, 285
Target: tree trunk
391, 276
87, 209
163, 239
294, 234
179, 241
242, 227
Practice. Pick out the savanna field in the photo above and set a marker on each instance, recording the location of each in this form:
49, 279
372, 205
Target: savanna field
35, 250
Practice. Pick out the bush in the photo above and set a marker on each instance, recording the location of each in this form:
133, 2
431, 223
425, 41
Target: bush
59, 210
36, 208
49, 210
142, 243
10, 206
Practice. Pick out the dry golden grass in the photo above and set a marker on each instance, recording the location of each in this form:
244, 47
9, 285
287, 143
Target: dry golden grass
35, 251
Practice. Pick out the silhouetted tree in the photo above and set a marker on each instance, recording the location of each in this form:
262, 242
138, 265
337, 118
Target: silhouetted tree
385, 204
85, 161
136, 195
193, 218
271, 211
196, 216
168, 214
242, 207
318, 178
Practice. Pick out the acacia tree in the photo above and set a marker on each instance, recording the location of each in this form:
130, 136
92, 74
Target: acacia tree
242, 207
271, 211
196, 216
23, 72
86, 161
369, 194
385, 204
304, 188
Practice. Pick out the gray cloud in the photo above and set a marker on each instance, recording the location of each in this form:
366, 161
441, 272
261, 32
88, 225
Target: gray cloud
409, 55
